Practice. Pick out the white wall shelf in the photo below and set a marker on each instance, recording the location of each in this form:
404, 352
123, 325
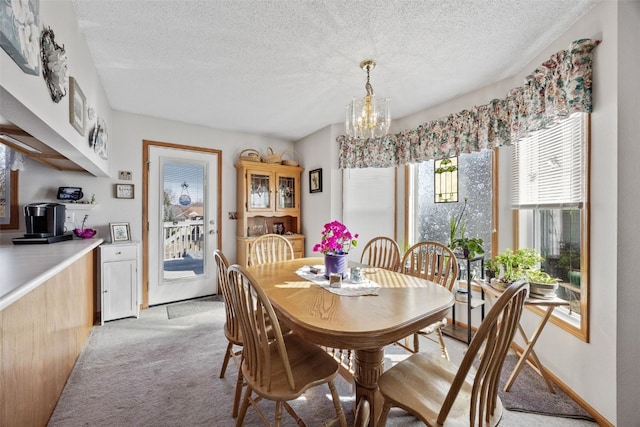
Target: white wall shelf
80, 206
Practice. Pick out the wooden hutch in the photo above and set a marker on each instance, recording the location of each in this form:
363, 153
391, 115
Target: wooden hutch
268, 199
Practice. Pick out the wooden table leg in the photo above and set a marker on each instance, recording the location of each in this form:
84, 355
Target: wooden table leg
529, 350
368, 368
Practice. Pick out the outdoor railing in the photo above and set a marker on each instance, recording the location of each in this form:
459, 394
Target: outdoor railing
181, 238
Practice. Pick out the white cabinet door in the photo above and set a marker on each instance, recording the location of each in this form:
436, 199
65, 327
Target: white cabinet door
119, 284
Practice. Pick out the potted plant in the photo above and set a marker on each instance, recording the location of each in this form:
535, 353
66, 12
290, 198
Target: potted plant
335, 244
541, 284
514, 265
491, 268
569, 261
470, 247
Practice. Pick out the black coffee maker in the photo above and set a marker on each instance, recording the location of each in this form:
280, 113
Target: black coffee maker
45, 223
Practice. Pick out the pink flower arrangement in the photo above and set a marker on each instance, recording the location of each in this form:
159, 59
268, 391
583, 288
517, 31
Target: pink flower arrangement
336, 239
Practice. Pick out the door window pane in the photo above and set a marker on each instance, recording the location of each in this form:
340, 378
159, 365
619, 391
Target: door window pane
183, 226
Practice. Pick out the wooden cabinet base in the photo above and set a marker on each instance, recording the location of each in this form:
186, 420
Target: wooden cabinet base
41, 336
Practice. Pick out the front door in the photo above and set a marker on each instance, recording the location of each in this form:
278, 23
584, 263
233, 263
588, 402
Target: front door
183, 221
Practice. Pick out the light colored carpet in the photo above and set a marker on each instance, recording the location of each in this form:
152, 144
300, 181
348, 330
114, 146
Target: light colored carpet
189, 308
156, 371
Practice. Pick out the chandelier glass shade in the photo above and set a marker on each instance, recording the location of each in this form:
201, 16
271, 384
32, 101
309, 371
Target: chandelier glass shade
368, 117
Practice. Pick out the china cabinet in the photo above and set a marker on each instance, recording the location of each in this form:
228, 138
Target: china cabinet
268, 202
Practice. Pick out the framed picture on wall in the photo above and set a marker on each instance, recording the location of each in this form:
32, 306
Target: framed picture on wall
77, 106
124, 191
14, 33
120, 232
315, 181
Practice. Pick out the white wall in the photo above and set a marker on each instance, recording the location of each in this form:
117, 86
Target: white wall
320, 150
628, 271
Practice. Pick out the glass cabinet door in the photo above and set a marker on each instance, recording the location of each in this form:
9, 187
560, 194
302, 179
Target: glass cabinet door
286, 192
259, 191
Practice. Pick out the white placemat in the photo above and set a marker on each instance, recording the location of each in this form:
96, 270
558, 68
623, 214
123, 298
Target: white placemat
347, 288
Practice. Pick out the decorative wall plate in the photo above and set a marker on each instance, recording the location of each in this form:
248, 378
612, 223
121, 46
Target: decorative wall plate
54, 65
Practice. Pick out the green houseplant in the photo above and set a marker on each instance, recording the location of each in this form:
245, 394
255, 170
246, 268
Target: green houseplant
492, 268
569, 262
469, 246
522, 264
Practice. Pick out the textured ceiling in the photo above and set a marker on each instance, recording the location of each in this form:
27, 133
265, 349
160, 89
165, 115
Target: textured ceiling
286, 68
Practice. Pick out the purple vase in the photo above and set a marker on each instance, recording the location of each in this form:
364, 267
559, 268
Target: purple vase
335, 263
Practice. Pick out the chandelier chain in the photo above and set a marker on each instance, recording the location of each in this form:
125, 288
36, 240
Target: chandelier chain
368, 86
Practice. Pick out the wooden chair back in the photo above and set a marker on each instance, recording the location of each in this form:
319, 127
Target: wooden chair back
270, 248
381, 252
493, 339
260, 330
431, 261
231, 326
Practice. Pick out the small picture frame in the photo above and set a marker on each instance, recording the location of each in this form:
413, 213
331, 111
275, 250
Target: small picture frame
77, 106
315, 181
120, 232
124, 191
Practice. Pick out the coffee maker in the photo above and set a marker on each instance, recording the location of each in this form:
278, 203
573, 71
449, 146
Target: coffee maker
45, 223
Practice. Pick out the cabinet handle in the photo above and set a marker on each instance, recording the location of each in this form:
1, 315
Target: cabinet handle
118, 253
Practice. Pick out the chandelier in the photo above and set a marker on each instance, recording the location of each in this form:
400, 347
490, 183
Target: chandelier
368, 117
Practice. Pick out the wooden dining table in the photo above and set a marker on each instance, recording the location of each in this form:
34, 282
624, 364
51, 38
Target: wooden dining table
365, 324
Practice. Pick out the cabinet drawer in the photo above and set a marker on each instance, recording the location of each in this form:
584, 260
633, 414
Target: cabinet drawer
117, 252
298, 244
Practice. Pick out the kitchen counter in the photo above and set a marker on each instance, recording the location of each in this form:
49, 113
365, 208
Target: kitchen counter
25, 267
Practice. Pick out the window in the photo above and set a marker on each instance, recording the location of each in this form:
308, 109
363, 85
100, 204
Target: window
429, 220
445, 176
369, 202
8, 191
550, 195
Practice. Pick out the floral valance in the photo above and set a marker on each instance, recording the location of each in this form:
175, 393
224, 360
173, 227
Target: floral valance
559, 87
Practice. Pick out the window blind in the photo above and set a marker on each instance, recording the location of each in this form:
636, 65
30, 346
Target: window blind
549, 166
368, 205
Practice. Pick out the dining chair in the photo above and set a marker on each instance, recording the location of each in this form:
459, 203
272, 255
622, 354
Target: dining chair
231, 327
270, 248
438, 392
280, 368
435, 262
381, 252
